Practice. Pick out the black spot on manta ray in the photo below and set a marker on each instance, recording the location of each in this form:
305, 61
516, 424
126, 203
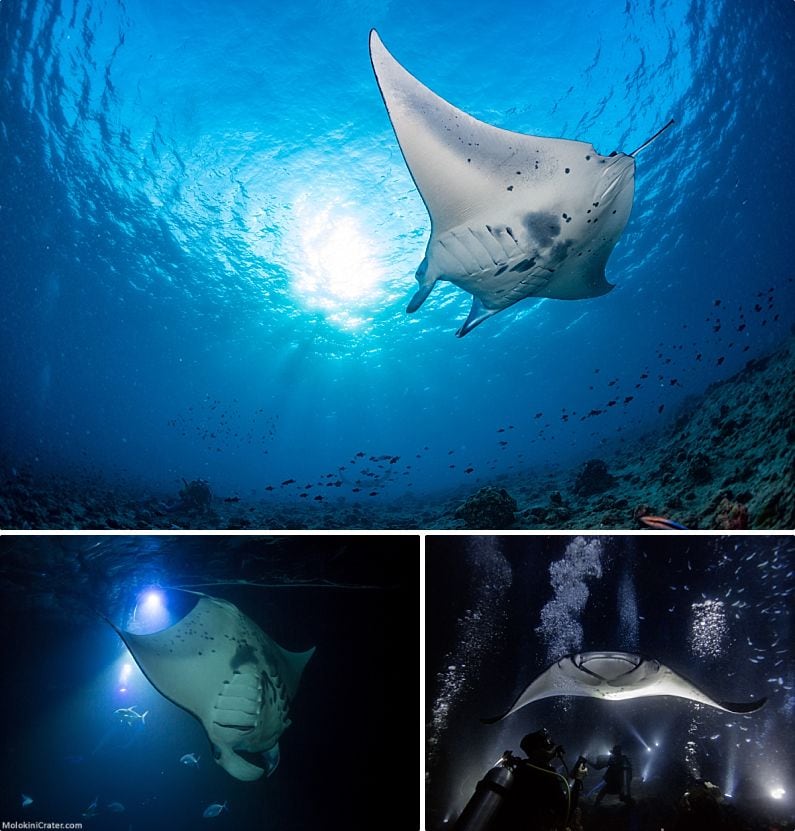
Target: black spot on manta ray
560, 250
543, 227
510, 187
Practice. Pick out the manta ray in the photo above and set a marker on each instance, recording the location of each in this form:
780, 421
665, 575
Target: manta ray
512, 215
223, 669
616, 676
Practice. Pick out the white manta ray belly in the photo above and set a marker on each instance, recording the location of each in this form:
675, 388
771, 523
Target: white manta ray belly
217, 664
617, 676
512, 215
249, 714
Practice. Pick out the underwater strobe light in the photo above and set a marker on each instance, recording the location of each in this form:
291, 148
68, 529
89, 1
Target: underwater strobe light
778, 792
152, 601
150, 613
124, 676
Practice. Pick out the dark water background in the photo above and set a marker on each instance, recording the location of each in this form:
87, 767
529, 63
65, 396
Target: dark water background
717, 610
351, 747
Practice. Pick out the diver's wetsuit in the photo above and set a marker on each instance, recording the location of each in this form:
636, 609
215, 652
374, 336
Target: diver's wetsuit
617, 778
537, 799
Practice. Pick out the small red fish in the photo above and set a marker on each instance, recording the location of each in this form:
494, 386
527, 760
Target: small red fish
662, 523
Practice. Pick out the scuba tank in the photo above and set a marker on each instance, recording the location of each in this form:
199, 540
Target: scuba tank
577, 775
625, 781
483, 805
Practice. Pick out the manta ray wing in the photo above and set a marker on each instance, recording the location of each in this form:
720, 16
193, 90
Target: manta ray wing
512, 215
673, 684
558, 679
222, 668
616, 676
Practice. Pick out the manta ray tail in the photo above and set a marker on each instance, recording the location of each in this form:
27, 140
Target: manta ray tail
743, 709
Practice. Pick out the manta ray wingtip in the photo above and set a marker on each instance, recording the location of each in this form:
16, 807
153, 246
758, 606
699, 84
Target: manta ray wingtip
743, 709
374, 40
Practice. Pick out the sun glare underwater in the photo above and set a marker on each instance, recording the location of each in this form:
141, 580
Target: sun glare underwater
210, 238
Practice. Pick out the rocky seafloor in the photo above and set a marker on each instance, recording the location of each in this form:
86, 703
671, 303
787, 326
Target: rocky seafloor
726, 461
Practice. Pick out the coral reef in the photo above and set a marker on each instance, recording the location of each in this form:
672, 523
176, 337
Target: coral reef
195, 497
730, 516
726, 461
593, 478
698, 468
488, 508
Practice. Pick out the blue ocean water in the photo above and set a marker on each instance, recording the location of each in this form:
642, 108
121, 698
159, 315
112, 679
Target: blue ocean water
209, 236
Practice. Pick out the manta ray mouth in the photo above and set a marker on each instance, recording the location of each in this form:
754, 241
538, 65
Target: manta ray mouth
606, 666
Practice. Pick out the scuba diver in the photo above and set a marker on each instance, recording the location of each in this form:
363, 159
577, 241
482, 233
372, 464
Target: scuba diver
521, 793
577, 774
701, 806
618, 776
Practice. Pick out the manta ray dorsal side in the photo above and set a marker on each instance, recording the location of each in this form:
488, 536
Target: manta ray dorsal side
616, 676
512, 215
222, 668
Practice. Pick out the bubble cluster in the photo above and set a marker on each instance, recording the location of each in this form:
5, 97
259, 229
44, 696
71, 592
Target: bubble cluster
628, 612
708, 628
560, 625
476, 632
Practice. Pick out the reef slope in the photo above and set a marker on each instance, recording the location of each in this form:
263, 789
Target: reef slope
726, 460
